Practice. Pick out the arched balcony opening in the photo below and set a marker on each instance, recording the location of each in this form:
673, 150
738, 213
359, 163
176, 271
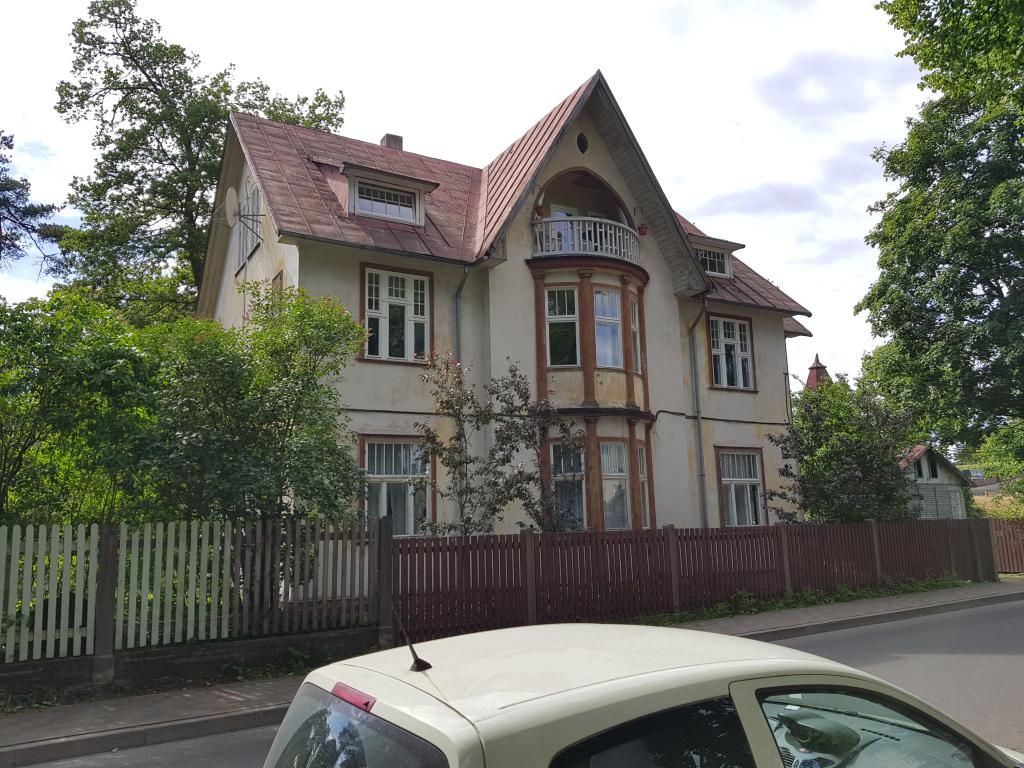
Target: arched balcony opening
577, 214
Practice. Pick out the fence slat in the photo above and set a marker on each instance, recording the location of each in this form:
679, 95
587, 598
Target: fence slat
52, 595
132, 595
225, 582
158, 584
215, 552
193, 549
90, 626
169, 584
144, 605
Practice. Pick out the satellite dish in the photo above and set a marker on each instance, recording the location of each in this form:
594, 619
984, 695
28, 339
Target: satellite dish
231, 206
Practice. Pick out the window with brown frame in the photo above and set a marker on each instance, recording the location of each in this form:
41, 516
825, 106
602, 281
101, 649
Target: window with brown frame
742, 487
732, 358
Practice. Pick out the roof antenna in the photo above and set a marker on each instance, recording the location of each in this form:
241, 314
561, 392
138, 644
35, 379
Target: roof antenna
418, 664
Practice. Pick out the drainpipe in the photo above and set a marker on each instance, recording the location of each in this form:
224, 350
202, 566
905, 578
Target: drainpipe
458, 313
698, 423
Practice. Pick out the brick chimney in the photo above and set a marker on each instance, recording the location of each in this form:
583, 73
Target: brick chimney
817, 374
391, 141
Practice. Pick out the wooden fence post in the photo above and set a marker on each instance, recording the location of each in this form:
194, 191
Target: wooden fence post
529, 540
787, 569
674, 576
385, 621
106, 604
876, 545
986, 546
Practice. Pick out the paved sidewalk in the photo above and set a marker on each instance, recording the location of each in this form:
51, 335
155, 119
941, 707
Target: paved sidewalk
78, 729
41, 735
794, 622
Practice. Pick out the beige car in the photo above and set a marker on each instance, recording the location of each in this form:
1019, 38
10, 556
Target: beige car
603, 696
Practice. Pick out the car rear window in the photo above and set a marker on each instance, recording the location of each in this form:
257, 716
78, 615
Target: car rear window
322, 731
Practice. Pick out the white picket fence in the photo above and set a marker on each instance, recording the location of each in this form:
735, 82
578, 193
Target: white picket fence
181, 582
47, 591
198, 580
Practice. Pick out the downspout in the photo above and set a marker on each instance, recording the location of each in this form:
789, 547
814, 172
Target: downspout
695, 380
458, 313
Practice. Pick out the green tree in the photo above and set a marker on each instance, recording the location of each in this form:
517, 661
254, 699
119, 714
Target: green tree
70, 378
23, 223
847, 444
480, 484
160, 127
969, 48
250, 421
951, 258
102, 420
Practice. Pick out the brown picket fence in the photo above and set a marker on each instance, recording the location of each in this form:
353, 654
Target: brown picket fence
446, 586
1008, 538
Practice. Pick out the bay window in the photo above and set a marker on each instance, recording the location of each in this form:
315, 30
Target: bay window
608, 328
615, 485
732, 364
562, 327
397, 316
391, 491
742, 489
634, 311
567, 475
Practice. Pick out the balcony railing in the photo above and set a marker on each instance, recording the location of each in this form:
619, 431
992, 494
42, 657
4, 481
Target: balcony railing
585, 235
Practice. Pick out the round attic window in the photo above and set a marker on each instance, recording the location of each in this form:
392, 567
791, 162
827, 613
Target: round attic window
582, 143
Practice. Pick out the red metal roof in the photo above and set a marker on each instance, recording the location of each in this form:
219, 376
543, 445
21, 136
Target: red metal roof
817, 374
301, 174
748, 289
508, 176
793, 327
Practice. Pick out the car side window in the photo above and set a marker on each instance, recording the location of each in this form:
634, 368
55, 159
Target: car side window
707, 734
833, 728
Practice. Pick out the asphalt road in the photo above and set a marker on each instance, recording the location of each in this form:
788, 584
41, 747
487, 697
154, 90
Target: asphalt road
967, 663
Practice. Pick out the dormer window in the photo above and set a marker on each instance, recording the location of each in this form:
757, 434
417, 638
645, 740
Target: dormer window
713, 262
386, 202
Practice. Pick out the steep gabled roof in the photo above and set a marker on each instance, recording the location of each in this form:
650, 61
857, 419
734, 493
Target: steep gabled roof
915, 452
507, 178
301, 174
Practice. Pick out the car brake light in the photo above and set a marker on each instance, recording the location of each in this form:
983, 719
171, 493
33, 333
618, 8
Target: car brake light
354, 697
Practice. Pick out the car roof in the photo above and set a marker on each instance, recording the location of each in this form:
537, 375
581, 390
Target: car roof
483, 674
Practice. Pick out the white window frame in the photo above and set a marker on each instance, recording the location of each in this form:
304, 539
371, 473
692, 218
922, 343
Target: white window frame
386, 186
705, 257
383, 479
730, 486
574, 318
634, 322
609, 321
559, 475
641, 458
249, 224
377, 303
612, 478
717, 327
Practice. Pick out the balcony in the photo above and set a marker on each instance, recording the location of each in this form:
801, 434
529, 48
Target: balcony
585, 236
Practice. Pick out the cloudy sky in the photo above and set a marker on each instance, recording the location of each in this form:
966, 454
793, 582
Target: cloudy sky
758, 116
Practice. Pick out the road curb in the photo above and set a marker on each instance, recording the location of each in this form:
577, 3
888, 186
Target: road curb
31, 753
66, 747
800, 630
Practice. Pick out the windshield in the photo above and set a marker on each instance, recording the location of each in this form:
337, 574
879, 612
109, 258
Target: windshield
322, 731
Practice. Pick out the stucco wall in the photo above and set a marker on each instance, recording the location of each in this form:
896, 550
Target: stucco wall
266, 261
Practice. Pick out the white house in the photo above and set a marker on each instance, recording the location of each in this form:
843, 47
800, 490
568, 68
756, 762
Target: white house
564, 254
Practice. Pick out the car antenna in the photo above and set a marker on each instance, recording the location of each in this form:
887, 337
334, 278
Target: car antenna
418, 664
